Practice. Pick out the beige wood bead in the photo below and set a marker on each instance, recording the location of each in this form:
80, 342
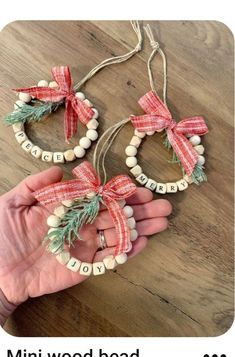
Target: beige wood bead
85, 269
131, 150
161, 188
92, 134
85, 142
91, 194
73, 264
128, 211
47, 156
88, 102
80, 95
171, 187
131, 222
36, 151
79, 151
109, 262
142, 179
53, 84
19, 104
135, 141
21, 136
60, 211
27, 145
53, 221
98, 268
151, 184
43, 83
25, 97
149, 133
122, 203
188, 179
131, 161
201, 160
67, 203
92, 124
200, 149
63, 257
18, 127
140, 134
121, 258
136, 170
182, 185
95, 113
58, 157
69, 155
134, 234
52, 230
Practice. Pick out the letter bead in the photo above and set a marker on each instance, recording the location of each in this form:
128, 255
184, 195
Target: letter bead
161, 188
47, 156
27, 145
73, 264
36, 152
85, 269
58, 158
171, 187
136, 170
182, 185
63, 257
151, 184
109, 262
18, 127
142, 179
21, 137
98, 268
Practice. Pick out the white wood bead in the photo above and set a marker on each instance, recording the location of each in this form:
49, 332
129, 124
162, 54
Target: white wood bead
43, 83
52, 230
60, 211
67, 203
69, 155
195, 140
140, 134
36, 151
19, 104
131, 161
161, 188
98, 268
122, 203
53, 221
182, 185
85, 142
201, 160
53, 84
199, 149
79, 151
88, 103
188, 179
91, 194
47, 156
171, 187
80, 95
25, 97
136, 170
109, 262
151, 184
73, 264
18, 127
85, 269
134, 234
21, 136
131, 150
150, 133
27, 145
142, 179
128, 211
92, 124
131, 222
121, 258
135, 141
63, 257
92, 134
58, 157
95, 113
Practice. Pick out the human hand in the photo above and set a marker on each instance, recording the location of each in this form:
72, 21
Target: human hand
27, 270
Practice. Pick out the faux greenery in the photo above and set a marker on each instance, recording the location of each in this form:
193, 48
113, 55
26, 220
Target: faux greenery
31, 112
79, 214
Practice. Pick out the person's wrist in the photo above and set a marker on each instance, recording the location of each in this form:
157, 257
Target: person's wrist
6, 308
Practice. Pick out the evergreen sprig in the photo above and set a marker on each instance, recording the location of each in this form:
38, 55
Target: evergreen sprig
79, 214
31, 112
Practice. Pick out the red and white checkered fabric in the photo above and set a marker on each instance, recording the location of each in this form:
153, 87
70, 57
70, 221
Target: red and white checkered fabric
118, 188
74, 108
158, 117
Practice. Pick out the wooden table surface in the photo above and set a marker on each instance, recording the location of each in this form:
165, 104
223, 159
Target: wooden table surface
182, 283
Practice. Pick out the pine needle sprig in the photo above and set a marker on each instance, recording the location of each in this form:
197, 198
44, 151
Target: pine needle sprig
31, 113
198, 175
79, 214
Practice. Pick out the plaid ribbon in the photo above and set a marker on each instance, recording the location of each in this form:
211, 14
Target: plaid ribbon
118, 188
74, 108
158, 117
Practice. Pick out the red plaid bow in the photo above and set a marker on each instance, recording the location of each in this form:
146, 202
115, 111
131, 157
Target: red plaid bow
158, 117
74, 108
87, 181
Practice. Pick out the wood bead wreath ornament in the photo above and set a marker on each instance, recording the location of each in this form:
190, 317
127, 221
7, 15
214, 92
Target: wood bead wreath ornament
38, 102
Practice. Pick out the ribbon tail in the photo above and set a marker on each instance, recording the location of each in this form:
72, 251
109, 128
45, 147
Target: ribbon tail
70, 120
121, 227
83, 111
